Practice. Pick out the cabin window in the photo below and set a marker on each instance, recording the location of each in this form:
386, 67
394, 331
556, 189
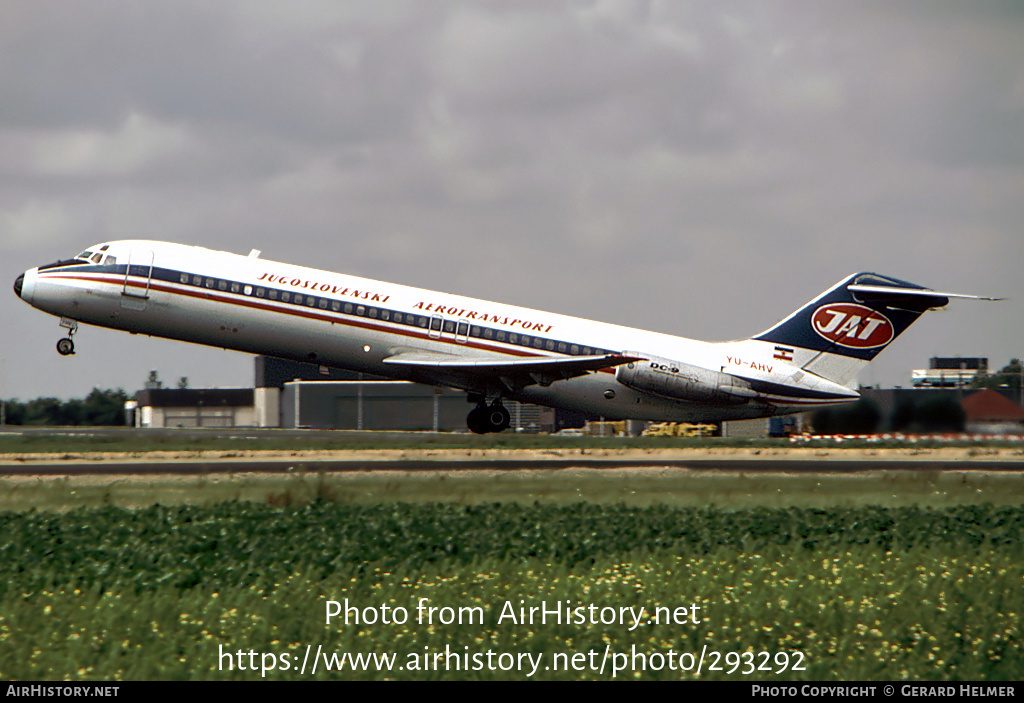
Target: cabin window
562, 348
348, 308
235, 287
538, 342
488, 333
360, 310
311, 301
586, 351
336, 305
398, 317
525, 341
385, 314
501, 336
248, 290
574, 349
514, 338
463, 329
423, 322
373, 313
449, 326
183, 278
297, 298
197, 280
272, 294
222, 285
435, 323
285, 296
550, 345
474, 331
209, 282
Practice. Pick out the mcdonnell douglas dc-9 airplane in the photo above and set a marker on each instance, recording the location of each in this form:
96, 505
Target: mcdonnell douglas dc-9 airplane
492, 351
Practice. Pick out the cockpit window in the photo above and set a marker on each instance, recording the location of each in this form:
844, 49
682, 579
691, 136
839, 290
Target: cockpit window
84, 255
97, 257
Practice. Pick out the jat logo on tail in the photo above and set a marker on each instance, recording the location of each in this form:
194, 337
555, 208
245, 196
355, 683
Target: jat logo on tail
851, 325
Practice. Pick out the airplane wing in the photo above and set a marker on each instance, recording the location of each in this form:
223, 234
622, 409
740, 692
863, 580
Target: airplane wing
513, 374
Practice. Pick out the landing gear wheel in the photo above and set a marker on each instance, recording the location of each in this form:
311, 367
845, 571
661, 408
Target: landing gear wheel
476, 421
65, 346
498, 417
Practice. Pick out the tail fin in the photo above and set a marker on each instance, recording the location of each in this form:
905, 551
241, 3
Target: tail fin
840, 331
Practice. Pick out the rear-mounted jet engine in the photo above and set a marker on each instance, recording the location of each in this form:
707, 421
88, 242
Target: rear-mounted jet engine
679, 381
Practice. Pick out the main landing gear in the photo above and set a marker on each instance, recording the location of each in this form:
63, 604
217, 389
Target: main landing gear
488, 418
66, 347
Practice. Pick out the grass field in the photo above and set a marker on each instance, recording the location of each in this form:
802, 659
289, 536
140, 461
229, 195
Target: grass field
892, 575
638, 487
844, 594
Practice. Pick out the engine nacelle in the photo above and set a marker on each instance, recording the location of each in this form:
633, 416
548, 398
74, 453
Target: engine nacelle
673, 379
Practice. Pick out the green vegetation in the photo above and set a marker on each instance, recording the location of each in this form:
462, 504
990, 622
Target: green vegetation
163, 592
673, 488
100, 408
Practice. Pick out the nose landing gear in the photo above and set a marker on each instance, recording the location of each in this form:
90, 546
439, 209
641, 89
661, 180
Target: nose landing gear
66, 347
488, 418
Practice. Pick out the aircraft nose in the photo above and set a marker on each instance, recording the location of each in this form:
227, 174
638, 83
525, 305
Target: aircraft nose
18, 283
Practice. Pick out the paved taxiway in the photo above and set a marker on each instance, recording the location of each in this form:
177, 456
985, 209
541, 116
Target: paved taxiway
279, 465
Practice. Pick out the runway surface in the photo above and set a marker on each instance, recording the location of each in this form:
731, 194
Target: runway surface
285, 465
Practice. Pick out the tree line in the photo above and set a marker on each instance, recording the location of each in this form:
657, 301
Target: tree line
99, 408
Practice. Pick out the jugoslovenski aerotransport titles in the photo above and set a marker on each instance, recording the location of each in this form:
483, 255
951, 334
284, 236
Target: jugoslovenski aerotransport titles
492, 351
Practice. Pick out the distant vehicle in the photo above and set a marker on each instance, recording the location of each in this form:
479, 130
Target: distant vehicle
681, 429
493, 351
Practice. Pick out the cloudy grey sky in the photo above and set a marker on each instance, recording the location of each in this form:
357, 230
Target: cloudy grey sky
697, 168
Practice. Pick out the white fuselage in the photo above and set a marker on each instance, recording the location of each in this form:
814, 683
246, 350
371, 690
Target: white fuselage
254, 305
